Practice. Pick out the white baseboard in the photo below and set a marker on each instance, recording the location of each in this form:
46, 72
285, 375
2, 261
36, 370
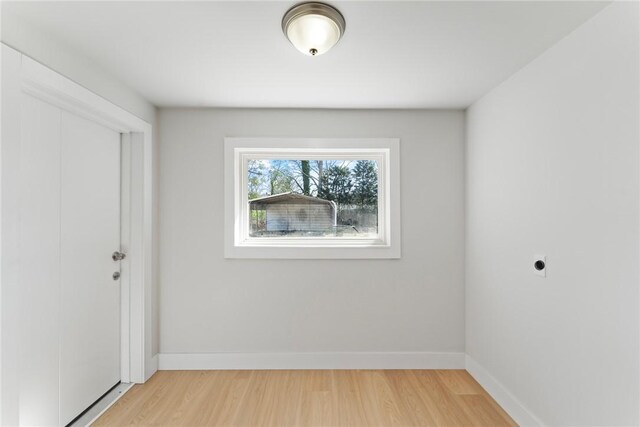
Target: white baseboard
364, 360
502, 395
152, 367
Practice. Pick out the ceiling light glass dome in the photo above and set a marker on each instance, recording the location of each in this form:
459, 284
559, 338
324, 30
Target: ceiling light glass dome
313, 28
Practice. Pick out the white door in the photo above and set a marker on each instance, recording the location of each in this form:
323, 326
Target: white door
69, 227
89, 234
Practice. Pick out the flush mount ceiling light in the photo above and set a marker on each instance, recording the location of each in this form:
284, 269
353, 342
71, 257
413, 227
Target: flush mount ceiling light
313, 28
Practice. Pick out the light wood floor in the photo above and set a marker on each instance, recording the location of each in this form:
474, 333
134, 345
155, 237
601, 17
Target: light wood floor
308, 398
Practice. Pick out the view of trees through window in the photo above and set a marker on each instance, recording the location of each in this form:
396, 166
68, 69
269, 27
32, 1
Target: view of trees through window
313, 198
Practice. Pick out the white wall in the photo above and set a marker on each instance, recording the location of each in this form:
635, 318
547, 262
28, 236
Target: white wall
210, 304
552, 163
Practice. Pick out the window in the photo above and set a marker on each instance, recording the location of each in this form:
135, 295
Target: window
312, 198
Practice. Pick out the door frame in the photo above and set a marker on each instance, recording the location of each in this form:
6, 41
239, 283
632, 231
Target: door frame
22, 74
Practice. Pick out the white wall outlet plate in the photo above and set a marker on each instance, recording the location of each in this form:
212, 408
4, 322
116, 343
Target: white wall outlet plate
539, 265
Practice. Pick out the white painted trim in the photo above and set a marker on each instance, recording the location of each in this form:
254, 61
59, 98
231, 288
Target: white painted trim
46, 84
9, 235
39, 81
139, 256
347, 360
152, 367
385, 151
638, 118
125, 273
502, 395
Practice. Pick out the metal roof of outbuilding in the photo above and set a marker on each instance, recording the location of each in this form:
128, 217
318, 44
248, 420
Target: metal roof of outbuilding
275, 198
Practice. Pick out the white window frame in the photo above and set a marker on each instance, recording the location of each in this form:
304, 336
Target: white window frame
238, 242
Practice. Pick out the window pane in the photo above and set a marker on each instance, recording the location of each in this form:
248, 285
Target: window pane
313, 198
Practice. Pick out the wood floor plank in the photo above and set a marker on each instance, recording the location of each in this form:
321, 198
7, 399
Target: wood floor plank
307, 398
479, 409
347, 399
405, 386
228, 403
378, 399
440, 401
203, 405
459, 382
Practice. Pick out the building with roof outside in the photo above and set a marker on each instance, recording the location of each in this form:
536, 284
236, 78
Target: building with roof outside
291, 213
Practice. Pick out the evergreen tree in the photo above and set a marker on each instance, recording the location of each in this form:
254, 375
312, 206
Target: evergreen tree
365, 181
336, 185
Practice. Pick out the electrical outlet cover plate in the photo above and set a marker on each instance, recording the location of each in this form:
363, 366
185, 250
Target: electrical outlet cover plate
543, 271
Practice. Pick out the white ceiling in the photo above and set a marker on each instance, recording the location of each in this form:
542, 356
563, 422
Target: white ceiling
393, 54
